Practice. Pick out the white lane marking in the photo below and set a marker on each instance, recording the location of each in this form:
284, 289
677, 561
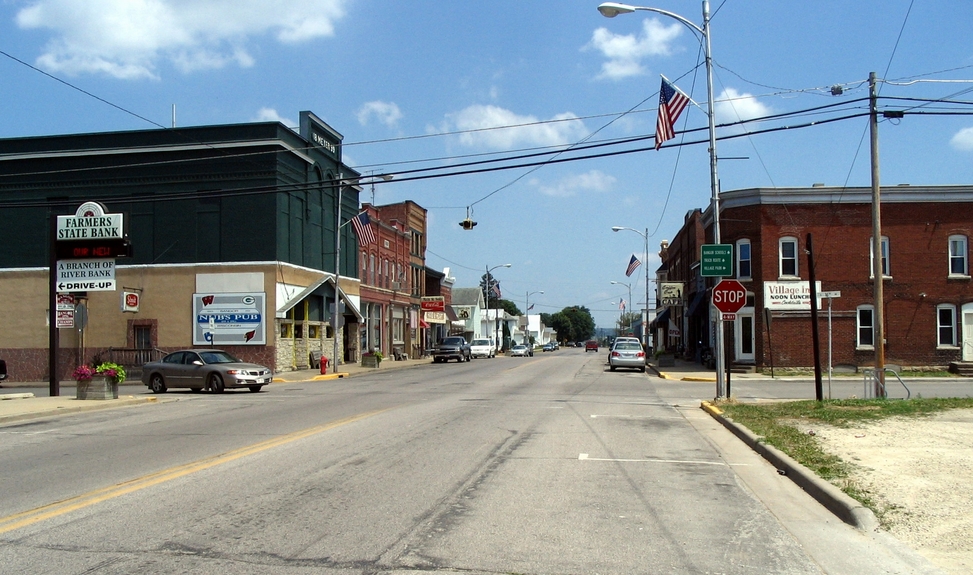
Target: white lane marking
584, 457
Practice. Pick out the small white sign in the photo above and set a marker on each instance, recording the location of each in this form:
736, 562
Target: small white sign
793, 295
64, 318
130, 301
65, 301
829, 294
86, 275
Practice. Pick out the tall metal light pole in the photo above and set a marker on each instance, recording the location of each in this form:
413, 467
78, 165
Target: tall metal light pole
527, 314
496, 320
612, 9
645, 264
629, 286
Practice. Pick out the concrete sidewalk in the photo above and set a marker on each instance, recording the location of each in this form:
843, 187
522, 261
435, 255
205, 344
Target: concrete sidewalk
24, 406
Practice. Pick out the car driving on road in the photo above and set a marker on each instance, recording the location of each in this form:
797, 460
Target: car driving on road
453, 347
627, 353
212, 369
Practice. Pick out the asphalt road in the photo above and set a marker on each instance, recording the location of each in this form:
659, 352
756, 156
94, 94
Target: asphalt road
550, 464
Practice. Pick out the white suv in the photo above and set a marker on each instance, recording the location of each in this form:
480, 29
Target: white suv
482, 348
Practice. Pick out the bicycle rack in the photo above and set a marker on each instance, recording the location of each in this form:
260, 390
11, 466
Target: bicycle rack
871, 379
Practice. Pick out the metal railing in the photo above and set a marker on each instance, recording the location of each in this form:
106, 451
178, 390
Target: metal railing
872, 383
132, 359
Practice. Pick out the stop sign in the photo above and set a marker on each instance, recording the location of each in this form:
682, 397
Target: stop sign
729, 296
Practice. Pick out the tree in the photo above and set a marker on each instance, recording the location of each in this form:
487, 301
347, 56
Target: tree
625, 322
506, 305
573, 323
487, 284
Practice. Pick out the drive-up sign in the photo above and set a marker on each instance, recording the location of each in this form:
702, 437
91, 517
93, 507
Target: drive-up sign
729, 296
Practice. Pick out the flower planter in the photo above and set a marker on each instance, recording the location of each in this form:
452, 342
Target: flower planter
370, 361
98, 387
666, 360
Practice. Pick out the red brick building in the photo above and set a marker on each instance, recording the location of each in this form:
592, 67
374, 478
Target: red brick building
393, 275
928, 299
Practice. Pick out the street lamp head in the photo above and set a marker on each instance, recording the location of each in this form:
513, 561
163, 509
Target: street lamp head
612, 9
617, 228
506, 265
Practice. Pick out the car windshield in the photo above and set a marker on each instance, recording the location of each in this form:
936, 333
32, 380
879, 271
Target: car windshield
454, 341
217, 357
628, 346
480, 342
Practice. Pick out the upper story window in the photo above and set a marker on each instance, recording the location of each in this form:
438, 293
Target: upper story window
958, 260
885, 258
946, 325
788, 257
866, 326
744, 270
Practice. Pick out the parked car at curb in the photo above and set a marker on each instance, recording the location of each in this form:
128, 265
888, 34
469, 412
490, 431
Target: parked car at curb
519, 351
627, 353
591, 345
198, 369
453, 347
482, 348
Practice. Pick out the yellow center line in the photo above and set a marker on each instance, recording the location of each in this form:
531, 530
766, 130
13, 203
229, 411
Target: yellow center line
25, 518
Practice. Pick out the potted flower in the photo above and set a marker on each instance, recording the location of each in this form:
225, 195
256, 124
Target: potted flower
99, 381
373, 359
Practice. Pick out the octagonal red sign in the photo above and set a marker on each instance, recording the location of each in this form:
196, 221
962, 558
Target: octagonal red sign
729, 296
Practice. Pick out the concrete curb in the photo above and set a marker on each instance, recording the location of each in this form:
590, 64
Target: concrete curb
844, 507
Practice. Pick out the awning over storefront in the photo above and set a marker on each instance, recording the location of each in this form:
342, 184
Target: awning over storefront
316, 288
662, 318
694, 306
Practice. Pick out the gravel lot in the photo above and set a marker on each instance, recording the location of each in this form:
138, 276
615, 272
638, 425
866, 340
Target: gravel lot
920, 472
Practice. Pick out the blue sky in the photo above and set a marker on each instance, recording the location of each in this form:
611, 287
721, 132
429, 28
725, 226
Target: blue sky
433, 84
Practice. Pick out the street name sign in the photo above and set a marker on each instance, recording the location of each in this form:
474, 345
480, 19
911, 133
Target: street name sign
716, 260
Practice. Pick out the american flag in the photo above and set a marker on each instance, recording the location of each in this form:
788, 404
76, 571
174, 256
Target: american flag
671, 103
363, 229
531, 307
621, 305
496, 290
632, 264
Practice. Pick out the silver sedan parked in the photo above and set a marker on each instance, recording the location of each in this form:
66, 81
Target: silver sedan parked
627, 353
213, 369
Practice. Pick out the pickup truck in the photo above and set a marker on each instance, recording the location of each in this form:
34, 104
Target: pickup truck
454, 347
482, 348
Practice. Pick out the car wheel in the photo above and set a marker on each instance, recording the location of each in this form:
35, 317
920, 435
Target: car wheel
255, 388
611, 367
216, 383
157, 384
642, 369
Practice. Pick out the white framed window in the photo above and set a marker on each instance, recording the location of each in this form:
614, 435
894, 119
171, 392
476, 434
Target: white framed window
866, 327
958, 260
946, 325
885, 258
744, 269
788, 257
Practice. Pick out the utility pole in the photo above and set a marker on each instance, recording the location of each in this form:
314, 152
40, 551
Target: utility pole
878, 277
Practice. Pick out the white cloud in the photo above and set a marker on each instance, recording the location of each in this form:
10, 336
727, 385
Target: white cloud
594, 181
127, 38
387, 113
486, 126
963, 140
626, 52
271, 115
732, 106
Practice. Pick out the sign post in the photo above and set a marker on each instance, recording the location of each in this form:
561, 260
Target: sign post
83, 249
729, 297
829, 295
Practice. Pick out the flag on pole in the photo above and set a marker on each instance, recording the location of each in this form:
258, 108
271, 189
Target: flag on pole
671, 103
363, 229
621, 305
632, 264
496, 290
531, 307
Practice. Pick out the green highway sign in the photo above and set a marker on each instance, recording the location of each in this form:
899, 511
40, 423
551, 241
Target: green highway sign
716, 260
